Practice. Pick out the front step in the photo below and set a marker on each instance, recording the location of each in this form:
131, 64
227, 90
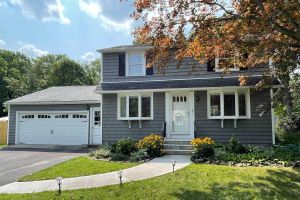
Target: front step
178, 147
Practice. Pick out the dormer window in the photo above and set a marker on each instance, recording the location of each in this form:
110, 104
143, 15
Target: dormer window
222, 63
135, 64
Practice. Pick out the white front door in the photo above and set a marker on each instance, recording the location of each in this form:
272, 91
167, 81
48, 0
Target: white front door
96, 123
181, 114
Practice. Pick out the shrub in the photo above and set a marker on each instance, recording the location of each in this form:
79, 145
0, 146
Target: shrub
203, 148
138, 155
234, 146
104, 151
124, 146
153, 144
289, 138
119, 157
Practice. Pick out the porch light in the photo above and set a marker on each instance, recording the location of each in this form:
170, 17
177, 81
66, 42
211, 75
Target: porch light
120, 173
173, 164
59, 182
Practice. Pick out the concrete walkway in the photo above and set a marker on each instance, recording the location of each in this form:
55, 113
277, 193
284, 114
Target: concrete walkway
155, 167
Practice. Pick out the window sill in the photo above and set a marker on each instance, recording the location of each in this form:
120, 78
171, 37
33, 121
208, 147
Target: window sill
138, 75
228, 117
136, 119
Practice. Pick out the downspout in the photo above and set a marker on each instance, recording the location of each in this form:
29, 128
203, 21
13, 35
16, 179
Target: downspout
272, 116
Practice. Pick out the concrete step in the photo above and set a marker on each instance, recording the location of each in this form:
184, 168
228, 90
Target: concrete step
178, 152
178, 146
177, 142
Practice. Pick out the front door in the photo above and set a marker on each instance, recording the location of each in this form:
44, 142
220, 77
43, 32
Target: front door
96, 126
181, 116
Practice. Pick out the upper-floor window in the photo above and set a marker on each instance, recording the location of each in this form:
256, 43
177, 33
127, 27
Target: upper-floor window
225, 63
228, 104
135, 64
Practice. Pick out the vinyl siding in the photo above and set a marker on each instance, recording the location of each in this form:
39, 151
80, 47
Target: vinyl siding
114, 129
15, 108
257, 130
189, 68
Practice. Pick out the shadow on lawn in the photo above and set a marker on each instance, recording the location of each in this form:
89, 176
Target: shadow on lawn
280, 184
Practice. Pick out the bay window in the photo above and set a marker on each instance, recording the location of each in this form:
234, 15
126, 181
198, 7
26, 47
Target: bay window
135, 106
228, 104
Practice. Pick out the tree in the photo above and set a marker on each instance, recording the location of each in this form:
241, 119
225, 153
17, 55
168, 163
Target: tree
15, 74
92, 70
247, 32
42, 69
67, 73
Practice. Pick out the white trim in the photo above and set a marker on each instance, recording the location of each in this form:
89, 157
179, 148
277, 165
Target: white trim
272, 117
51, 103
127, 63
101, 68
8, 120
179, 79
167, 111
18, 113
139, 95
192, 113
236, 94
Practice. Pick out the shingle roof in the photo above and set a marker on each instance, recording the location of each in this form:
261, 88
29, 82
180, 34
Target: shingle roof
61, 95
124, 48
193, 83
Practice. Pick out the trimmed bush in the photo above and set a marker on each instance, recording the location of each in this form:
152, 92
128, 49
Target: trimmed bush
119, 157
104, 151
203, 148
138, 155
234, 146
153, 144
125, 146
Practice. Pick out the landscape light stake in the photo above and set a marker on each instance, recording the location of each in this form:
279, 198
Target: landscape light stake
173, 164
120, 176
145, 156
59, 182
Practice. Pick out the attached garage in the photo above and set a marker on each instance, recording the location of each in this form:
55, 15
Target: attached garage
56, 116
63, 128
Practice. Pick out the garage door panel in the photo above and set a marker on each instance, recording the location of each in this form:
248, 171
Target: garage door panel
50, 130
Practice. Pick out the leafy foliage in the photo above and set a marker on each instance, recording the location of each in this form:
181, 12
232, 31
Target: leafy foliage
234, 146
124, 146
138, 155
104, 151
203, 148
20, 75
153, 144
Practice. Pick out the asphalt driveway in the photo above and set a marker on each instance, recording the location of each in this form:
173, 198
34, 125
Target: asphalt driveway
15, 163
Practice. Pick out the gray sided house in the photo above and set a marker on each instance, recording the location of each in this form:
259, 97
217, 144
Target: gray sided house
132, 100
182, 103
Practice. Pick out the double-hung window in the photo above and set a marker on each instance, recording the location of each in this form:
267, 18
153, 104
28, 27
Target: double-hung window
135, 64
228, 104
135, 106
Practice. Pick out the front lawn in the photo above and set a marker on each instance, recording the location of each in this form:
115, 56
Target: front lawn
81, 166
197, 181
2, 145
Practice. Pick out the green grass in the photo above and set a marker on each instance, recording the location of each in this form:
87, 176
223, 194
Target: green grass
197, 181
81, 166
2, 145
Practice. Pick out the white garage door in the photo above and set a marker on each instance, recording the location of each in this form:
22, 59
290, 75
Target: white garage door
66, 128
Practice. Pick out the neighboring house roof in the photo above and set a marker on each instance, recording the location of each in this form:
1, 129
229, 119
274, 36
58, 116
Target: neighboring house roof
170, 84
60, 95
124, 48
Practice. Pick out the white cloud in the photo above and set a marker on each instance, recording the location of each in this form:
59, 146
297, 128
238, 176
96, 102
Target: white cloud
94, 9
88, 57
32, 51
2, 43
45, 10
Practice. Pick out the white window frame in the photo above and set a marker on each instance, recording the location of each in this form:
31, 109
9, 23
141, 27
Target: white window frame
127, 63
236, 93
218, 69
139, 95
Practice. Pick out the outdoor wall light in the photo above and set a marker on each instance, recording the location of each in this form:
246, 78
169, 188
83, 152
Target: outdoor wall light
173, 164
120, 173
59, 182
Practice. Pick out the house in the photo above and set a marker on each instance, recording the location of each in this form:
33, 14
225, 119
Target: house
194, 100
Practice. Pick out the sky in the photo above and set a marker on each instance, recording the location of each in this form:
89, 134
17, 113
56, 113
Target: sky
76, 28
